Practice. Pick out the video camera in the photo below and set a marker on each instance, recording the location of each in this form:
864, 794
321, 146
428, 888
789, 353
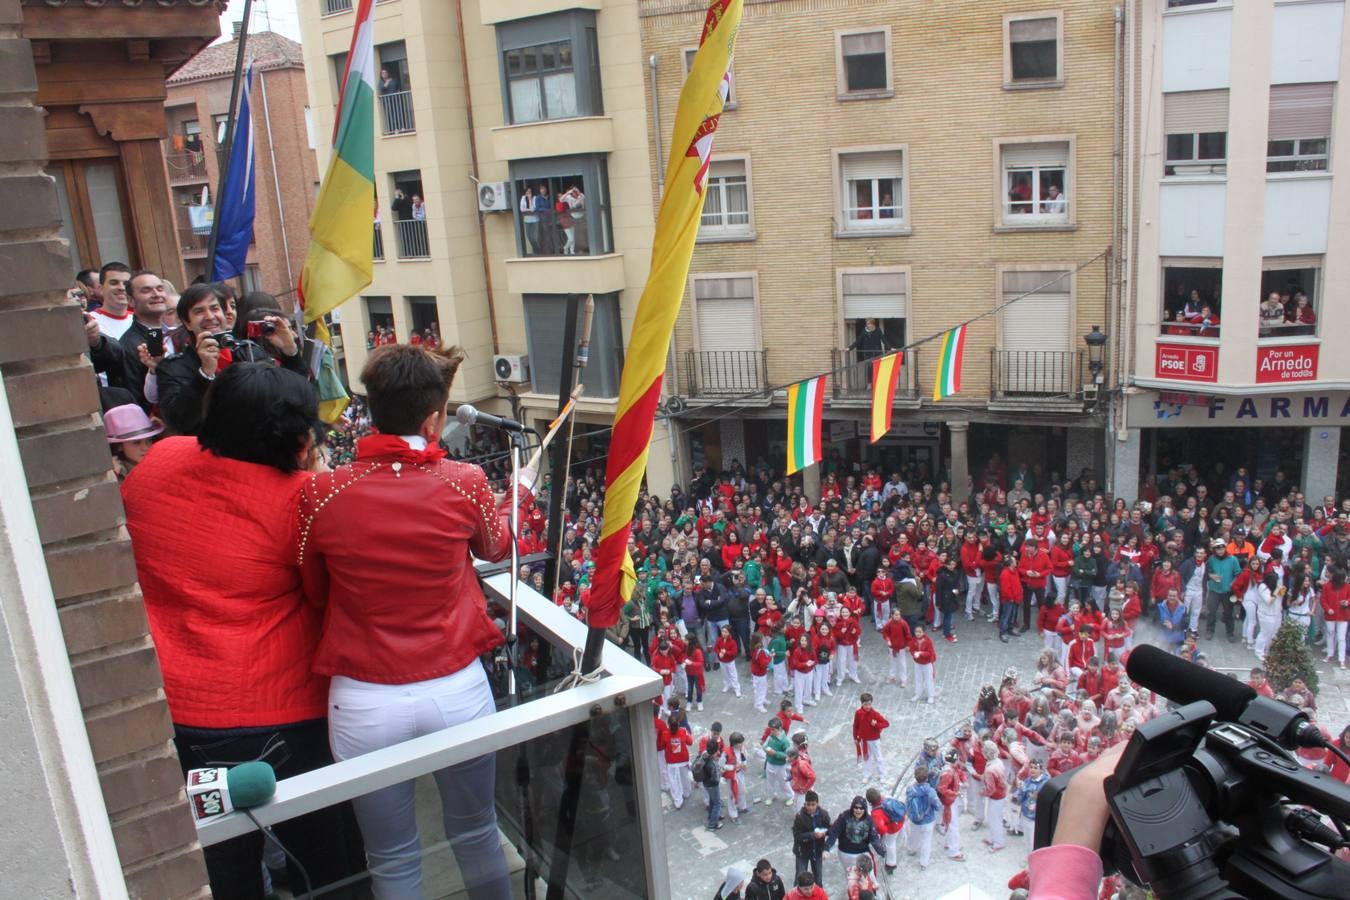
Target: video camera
1208, 800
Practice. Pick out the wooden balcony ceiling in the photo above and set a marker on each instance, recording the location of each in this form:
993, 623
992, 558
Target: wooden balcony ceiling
168, 32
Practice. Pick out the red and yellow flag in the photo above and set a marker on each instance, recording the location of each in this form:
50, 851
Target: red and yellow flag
701, 101
885, 376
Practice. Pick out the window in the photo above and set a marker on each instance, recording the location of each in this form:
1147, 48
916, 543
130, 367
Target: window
1035, 184
727, 360
339, 70
731, 75
1196, 127
550, 67
1290, 298
1192, 297
425, 319
192, 136
726, 207
1034, 50
1035, 354
1300, 128
545, 321
872, 191
864, 63
394, 87
562, 206
252, 277
95, 214
880, 294
379, 321
408, 205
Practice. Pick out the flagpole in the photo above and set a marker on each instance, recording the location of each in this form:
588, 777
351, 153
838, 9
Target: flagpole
229, 137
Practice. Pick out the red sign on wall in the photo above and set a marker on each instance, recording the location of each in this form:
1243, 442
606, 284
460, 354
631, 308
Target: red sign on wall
1183, 363
1276, 365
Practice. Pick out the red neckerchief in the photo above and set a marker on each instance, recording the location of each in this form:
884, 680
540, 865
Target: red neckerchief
226, 357
385, 445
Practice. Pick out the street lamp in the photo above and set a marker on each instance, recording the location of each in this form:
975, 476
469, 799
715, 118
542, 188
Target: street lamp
1096, 343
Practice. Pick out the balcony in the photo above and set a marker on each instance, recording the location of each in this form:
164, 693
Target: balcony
852, 382
379, 242
333, 7
192, 243
411, 237
552, 772
1038, 379
186, 168
396, 113
714, 374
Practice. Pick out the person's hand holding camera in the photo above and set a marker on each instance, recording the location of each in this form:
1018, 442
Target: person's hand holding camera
150, 362
208, 351
282, 337
1083, 813
91, 332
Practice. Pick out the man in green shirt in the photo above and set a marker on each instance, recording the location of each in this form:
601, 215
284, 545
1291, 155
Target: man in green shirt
1220, 570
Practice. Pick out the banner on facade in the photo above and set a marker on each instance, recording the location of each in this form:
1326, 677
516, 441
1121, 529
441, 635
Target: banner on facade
1150, 409
1286, 363
1183, 362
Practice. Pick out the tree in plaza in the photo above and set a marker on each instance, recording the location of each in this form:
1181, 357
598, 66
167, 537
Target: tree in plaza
1289, 657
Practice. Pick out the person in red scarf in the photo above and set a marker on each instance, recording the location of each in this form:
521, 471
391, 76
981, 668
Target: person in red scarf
386, 545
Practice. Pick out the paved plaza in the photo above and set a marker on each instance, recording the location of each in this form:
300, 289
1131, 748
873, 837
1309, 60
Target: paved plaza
698, 857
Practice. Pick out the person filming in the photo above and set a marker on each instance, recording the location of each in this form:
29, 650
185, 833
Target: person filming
386, 544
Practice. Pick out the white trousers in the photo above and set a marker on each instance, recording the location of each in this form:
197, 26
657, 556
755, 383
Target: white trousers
1195, 603
923, 681
889, 841
740, 802
845, 664
759, 684
994, 820
364, 717
731, 679
777, 782
872, 762
881, 612
677, 773
974, 588
821, 682
1028, 826
1336, 640
1269, 624
921, 841
900, 666
780, 676
1249, 622
802, 683
1061, 588
953, 843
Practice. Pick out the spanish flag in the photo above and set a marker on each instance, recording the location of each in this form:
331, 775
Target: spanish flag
341, 252
885, 377
701, 101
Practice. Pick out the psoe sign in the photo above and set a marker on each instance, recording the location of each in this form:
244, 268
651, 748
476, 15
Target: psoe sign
1181, 362
1276, 365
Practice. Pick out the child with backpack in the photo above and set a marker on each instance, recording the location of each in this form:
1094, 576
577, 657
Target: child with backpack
921, 811
707, 772
888, 815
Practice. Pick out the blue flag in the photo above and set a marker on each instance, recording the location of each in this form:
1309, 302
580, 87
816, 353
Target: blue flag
235, 202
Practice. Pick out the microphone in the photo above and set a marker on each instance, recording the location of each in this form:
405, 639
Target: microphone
468, 415
1184, 682
213, 793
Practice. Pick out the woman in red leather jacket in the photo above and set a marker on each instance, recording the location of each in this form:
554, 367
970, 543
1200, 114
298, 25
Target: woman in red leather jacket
386, 544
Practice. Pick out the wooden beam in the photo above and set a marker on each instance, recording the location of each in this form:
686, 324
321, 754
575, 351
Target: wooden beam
42, 52
140, 120
138, 50
118, 23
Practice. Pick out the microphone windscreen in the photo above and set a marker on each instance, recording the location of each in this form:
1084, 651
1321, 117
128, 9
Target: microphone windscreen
1185, 682
251, 784
466, 414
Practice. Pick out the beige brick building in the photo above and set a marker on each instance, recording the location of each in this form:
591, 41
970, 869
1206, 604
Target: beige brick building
474, 111
285, 173
897, 161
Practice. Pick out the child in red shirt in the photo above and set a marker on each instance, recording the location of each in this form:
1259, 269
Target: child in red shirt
846, 633
694, 671
759, 671
867, 727
897, 635
925, 659
883, 589
726, 650
1117, 632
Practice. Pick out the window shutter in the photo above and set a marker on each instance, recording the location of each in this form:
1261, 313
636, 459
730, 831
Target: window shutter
886, 164
1033, 30
727, 168
1027, 156
726, 313
875, 295
1192, 111
859, 44
1300, 111
1039, 321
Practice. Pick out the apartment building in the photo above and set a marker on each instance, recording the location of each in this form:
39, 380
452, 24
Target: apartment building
196, 107
917, 166
1241, 230
513, 179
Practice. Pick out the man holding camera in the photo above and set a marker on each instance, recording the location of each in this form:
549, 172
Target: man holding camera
184, 379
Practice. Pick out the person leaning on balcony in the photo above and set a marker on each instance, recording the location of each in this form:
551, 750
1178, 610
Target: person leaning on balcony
871, 341
389, 82
1207, 323
386, 546
530, 219
1272, 313
210, 521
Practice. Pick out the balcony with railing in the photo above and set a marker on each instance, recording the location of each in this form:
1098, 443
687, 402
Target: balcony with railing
194, 229
186, 168
714, 374
576, 786
411, 237
396, 113
379, 242
851, 381
333, 7
1038, 377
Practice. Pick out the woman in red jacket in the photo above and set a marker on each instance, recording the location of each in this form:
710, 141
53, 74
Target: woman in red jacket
210, 521
387, 545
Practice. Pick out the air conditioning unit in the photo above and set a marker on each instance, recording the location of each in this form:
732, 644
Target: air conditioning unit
513, 369
492, 196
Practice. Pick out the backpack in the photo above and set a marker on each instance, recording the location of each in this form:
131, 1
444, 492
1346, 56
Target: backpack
920, 807
894, 810
704, 770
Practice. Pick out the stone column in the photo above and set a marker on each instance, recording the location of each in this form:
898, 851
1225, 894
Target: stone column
1321, 460
960, 468
811, 482
1124, 466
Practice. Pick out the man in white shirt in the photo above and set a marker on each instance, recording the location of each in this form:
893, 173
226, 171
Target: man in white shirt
1055, 203
114, 316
